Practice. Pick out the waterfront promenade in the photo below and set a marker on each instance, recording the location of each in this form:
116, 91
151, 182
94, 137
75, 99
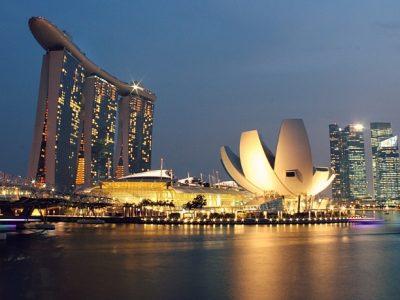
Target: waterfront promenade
204, 221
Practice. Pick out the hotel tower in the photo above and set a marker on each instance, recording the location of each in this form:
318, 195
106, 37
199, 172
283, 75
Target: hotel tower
78, 125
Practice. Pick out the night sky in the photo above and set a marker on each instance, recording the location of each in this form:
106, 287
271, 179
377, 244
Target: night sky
217, 67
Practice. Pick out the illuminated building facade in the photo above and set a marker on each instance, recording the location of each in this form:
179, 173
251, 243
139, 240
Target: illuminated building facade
57, 127
80, 171
99, 127
348, 160
355, 173
385, 161
77, 106
133, 151
336, 156
160, 187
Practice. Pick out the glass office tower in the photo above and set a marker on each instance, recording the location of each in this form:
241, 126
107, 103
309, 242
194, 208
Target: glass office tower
348, 162
355, 172
336, 156
55, 145
385, 161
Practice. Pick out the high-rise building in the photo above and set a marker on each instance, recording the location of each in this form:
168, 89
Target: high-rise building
74, 135
336, 156
57, 126
355, 172
133, 151
348, 162
99, 127
385, 161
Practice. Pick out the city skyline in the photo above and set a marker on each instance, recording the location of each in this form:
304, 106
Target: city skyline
266, 85
348, 161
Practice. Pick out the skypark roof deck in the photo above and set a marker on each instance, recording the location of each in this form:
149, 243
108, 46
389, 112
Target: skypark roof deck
52, 38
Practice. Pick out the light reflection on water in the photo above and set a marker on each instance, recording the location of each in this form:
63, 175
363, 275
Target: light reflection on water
204, 262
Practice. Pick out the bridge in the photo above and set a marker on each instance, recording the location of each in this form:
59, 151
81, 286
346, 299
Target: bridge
28, 205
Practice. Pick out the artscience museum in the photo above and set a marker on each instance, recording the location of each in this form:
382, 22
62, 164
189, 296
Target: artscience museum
287, 174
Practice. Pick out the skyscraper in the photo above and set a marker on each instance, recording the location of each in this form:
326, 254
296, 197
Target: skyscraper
355, 172
99, 127
385, 161
336, 156
133, 151
57, 126
348, 162
76, 116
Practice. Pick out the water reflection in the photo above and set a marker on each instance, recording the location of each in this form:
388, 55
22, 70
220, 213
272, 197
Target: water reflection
210, 262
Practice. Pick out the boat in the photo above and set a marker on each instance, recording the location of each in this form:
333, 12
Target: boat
90, 221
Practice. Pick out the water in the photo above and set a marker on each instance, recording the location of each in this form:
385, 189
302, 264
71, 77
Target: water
204, 262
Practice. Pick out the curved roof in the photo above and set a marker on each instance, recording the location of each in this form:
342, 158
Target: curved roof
233, 167
157, 174
293, 153
256, 165
52, 38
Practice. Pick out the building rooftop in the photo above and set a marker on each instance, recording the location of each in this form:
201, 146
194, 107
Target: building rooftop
50, 37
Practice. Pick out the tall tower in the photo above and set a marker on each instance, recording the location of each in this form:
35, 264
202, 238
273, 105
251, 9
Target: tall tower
348, 162
99, 127
75, 128
385, 161
336, 157
134, 142
55, 146
355, 172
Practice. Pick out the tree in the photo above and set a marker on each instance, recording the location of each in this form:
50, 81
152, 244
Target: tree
198, 202
146, 202
143, 205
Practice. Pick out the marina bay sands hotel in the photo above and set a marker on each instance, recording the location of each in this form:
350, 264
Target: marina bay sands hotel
89, 126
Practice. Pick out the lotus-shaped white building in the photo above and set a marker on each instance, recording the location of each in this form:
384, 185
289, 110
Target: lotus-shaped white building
288, 173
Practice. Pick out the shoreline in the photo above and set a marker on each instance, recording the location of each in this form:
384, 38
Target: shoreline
199, 221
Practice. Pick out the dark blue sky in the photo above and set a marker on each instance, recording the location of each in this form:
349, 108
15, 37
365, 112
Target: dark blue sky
218, 68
